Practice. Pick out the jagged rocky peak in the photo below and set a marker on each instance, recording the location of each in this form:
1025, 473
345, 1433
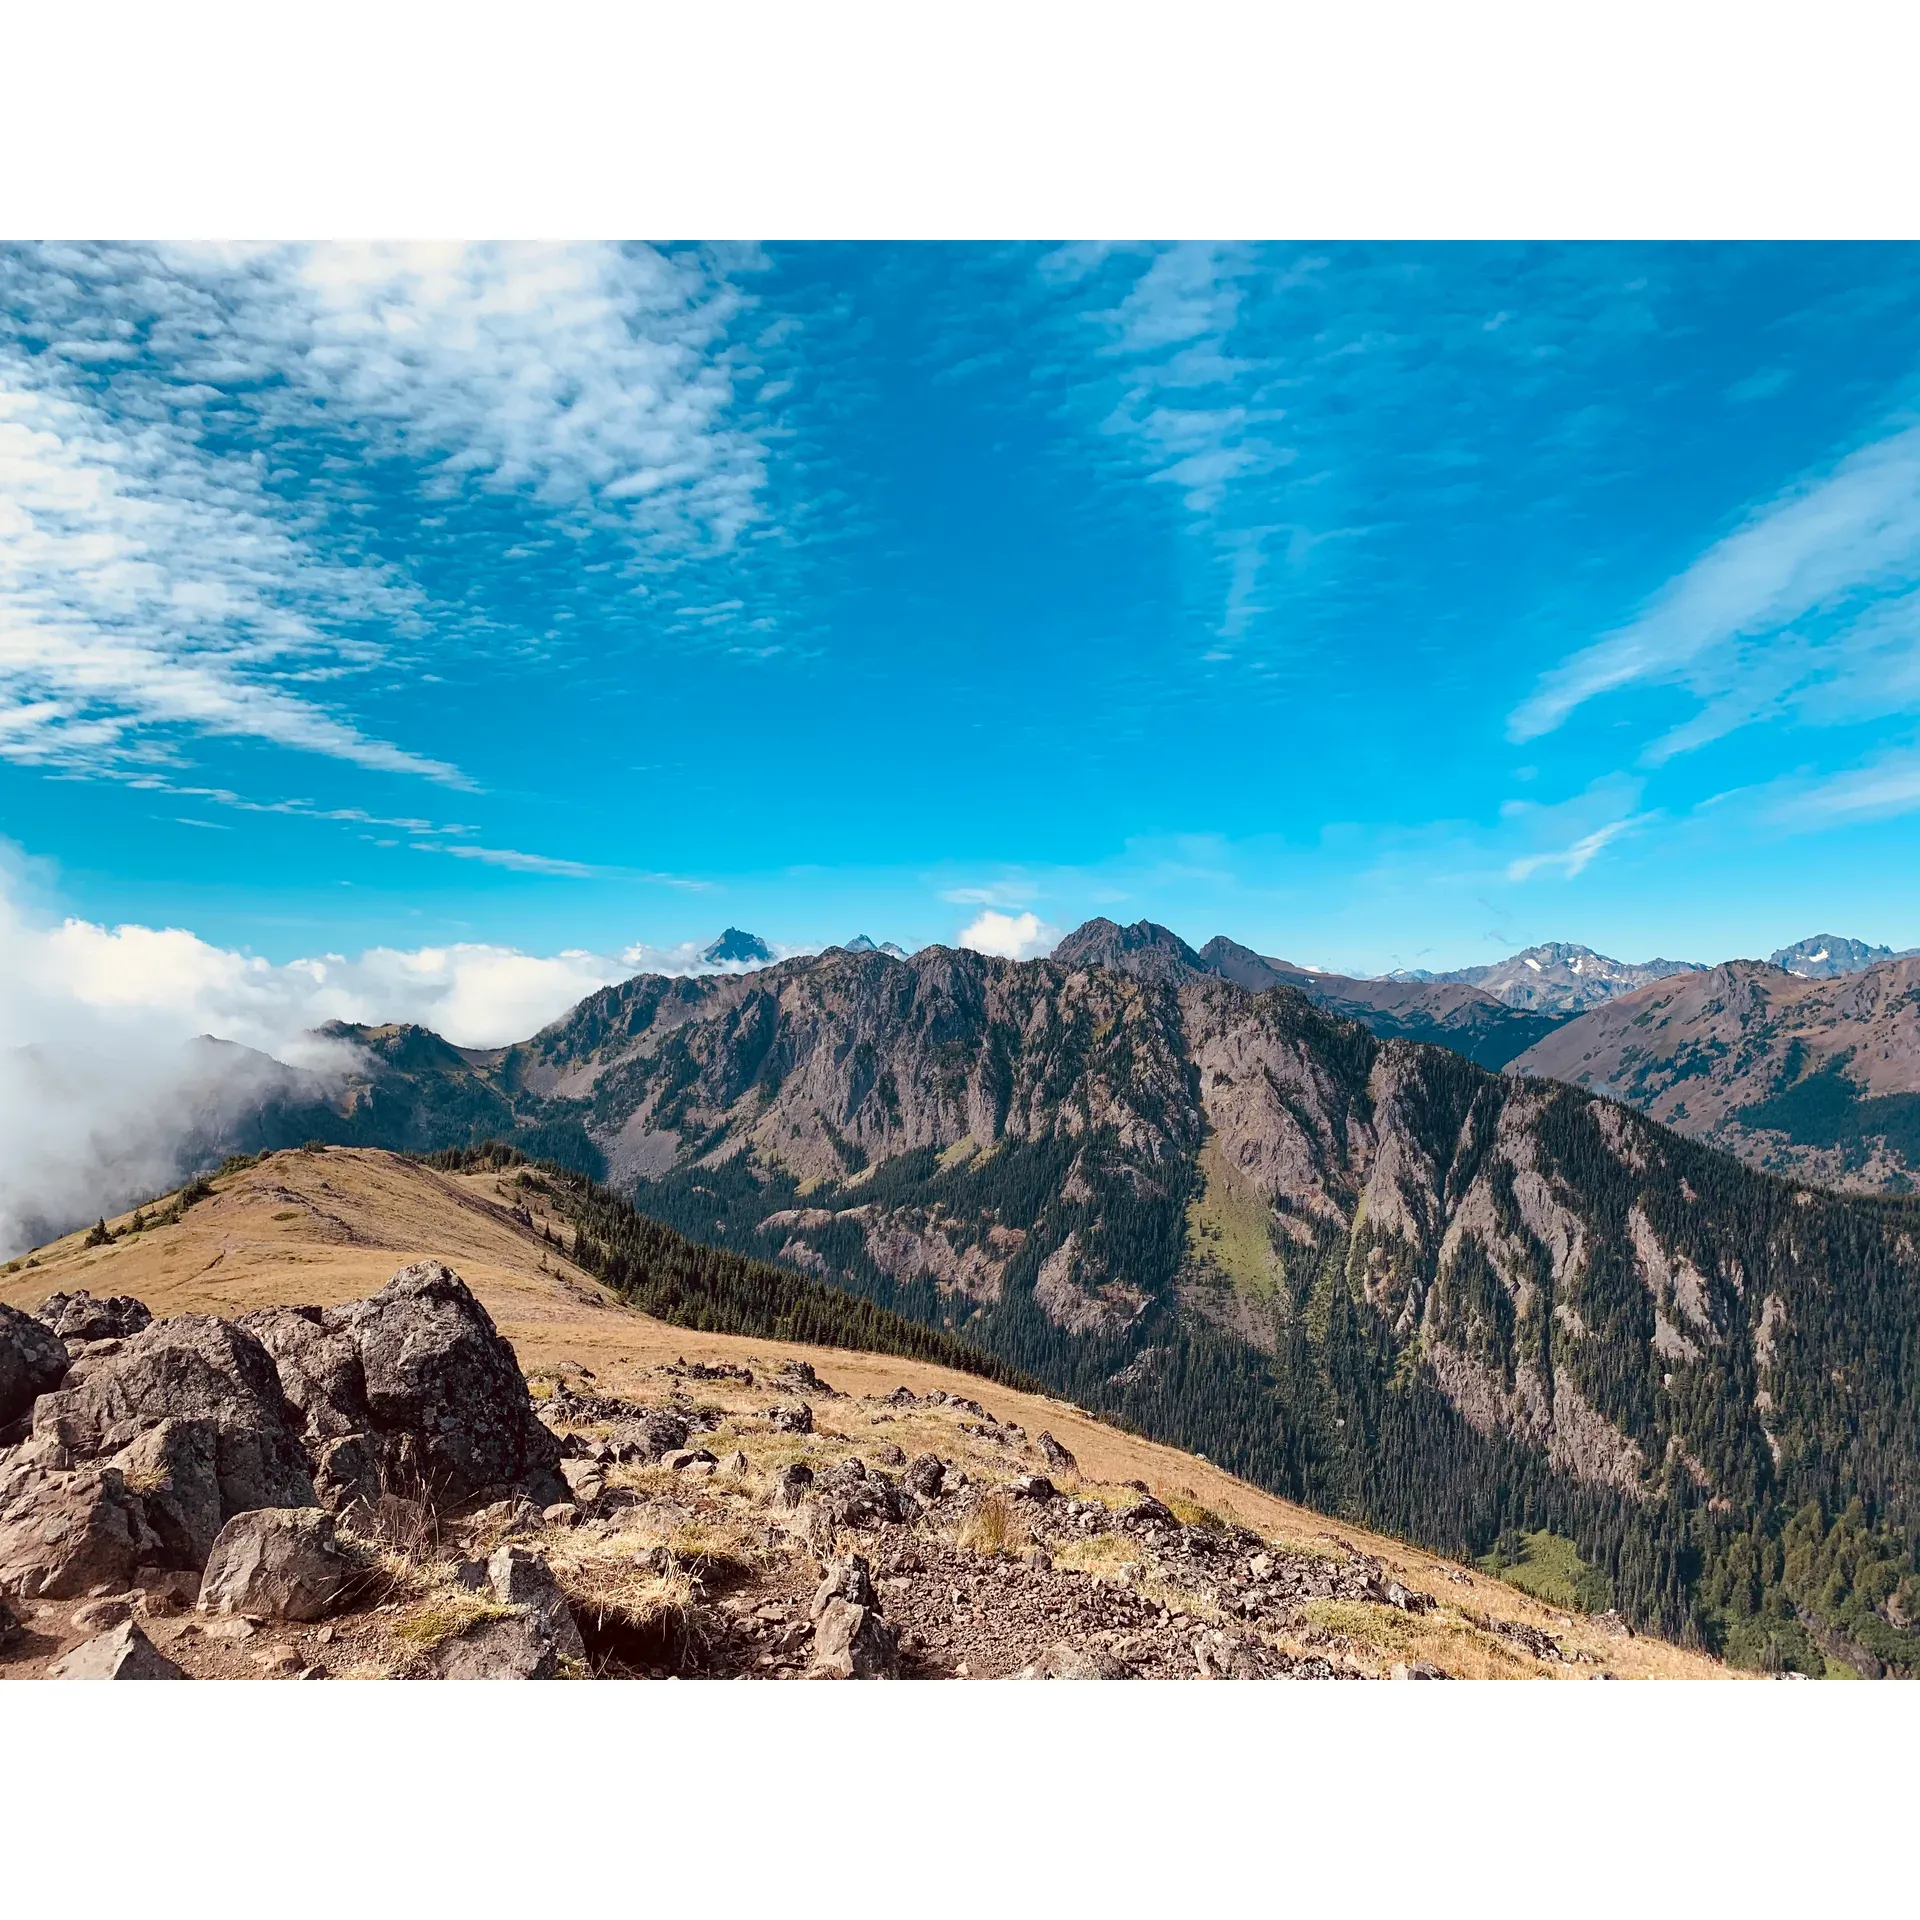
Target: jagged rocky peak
1145, 949
1826, 956
738, 949
860, 943
1562, 975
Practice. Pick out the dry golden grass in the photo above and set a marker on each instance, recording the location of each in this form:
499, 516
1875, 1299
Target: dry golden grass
358, 1214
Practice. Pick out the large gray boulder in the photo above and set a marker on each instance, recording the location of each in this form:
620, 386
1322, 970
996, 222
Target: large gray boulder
443, 1389
65, 1532
193, 1368
280, 1563
319, 1366
33, 1361
122, 1653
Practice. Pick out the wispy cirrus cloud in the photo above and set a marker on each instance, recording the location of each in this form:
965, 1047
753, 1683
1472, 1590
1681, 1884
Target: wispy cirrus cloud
149, 590
1811, 607
192, 441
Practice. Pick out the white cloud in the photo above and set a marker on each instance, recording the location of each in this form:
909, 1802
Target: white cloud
1808, 603
1015, 936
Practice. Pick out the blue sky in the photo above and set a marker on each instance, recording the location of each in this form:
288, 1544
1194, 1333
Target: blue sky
1378, 605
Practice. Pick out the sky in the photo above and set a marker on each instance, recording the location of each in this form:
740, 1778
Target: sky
438, 632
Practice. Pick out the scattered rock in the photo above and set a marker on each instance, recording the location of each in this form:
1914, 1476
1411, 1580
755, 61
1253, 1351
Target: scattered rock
1063, 1661
891, 1456
122, 1653
735, 1462
1055, 1455
1407, 1600
518, 1515
798, 1376
1416, 1670
95, 1616
926, 1475
791, 1485
278, 1564
10, 1627
682, 1459
1031, 1486
853, 1643
513, 1647
166, 1591
794, 1419
1615, 1623
519, 1577
586, 1479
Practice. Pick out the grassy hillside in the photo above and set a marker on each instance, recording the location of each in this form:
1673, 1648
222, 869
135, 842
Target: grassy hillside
332, 1226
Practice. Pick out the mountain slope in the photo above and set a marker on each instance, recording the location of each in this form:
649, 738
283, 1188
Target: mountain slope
1364, 1273
1818, 1077
1445, 1012
324, 1228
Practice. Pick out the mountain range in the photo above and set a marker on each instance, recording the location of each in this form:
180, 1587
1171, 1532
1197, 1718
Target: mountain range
1362, 1271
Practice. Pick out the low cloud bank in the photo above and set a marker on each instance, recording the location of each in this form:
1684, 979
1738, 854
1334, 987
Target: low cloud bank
108, 1093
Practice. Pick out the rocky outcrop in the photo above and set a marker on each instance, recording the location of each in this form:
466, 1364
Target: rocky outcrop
176, 1445
33, 1361
443, 1390
194, 1368
79, 1316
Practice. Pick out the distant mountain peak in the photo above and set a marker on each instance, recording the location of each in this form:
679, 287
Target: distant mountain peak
1565, 977
737, 948
1146, 949
860, 943
1826, 956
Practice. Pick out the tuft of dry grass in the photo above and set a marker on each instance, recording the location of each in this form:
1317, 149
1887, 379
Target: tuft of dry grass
444, 1615
1107, 1554
1187, 1509
990, 1528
